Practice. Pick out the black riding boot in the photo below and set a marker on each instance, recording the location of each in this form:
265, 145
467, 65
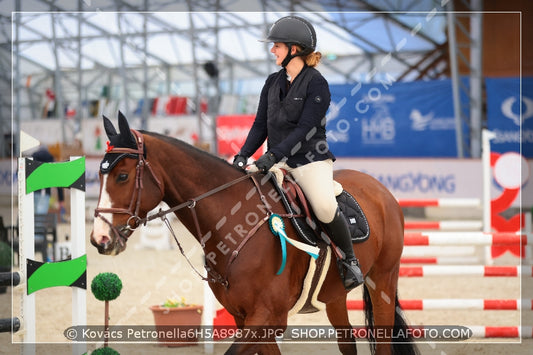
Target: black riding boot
340, 234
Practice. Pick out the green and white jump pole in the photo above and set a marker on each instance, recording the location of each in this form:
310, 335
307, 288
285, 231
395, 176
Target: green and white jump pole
33, 176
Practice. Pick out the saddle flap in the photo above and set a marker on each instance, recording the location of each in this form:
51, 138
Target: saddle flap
307, 225
357, 223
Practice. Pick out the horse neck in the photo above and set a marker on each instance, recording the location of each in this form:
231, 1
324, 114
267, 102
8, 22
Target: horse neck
188, 173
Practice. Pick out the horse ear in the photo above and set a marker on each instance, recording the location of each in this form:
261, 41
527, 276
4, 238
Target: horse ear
124, 128
109, 128
123, 124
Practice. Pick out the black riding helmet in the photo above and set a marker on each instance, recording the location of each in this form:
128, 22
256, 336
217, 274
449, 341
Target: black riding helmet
293, 30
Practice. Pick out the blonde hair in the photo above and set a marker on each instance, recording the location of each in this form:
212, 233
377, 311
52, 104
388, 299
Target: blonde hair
312, 59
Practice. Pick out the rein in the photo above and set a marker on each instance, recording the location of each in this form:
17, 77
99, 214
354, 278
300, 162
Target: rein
191, 204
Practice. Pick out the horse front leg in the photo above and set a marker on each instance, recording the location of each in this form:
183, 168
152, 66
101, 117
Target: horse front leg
257, 334
338, 317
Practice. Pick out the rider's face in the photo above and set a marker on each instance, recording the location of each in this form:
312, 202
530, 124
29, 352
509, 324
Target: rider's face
280, 50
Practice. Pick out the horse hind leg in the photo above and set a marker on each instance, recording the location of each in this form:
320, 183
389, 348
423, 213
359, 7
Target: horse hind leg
379, 296
403, 344
385, 319
337, 313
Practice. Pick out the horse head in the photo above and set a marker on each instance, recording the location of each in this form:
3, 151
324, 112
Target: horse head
126, 192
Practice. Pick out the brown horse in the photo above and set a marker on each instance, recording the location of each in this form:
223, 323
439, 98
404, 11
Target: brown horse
225, 210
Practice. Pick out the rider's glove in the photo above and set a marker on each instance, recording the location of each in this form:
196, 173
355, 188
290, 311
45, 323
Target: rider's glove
239, 161
266, 161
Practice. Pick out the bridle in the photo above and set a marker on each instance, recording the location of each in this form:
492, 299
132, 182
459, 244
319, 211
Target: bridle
133, 209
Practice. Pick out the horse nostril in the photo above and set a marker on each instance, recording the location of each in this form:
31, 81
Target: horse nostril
104, 241
101, 243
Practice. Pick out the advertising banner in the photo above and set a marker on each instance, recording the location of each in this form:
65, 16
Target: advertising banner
422, 178
510, 116
232, 131
389, 119
405, 178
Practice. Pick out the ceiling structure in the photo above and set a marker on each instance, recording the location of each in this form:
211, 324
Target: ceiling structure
140, 49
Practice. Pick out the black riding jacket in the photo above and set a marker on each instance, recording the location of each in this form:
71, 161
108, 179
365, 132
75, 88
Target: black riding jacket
292, 117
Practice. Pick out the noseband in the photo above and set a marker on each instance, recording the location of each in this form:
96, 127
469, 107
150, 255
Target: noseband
135, 203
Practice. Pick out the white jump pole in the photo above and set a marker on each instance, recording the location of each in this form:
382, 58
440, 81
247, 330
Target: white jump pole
77, 232
208, 316
26, 230
528, 229
26, 251
486, 136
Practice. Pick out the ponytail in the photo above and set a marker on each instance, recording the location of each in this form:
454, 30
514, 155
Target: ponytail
313, 59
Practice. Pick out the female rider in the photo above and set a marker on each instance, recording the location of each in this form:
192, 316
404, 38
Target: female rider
291, 115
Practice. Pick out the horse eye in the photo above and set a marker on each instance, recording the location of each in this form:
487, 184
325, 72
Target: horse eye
122, 177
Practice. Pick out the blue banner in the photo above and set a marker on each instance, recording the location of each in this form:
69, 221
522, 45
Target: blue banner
389, 119
503, 114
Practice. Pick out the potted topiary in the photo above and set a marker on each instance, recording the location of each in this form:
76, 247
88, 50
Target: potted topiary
106, 286
176, 317
105, 351
6, 260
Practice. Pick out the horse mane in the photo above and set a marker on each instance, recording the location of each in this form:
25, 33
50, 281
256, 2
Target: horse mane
189, 148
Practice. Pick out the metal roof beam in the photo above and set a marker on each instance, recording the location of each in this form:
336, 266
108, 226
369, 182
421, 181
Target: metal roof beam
103, 31
204, 45
56, 43
385, 13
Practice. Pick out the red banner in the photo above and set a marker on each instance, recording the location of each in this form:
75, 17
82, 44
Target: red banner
232, 131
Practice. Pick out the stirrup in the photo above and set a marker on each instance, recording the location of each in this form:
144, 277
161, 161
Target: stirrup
352, 276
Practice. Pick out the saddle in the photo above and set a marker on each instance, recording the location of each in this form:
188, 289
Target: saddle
309, 228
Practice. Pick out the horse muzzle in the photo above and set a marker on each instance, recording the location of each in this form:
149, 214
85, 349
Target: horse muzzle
113, 244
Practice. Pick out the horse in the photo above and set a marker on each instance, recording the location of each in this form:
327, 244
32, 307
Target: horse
225, 209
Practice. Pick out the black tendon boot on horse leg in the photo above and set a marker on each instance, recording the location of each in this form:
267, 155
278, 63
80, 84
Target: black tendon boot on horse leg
340, 234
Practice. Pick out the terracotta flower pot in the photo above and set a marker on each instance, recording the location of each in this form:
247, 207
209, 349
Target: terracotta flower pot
177, 326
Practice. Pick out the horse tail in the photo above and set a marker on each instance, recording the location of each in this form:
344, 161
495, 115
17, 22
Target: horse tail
369, 319
403, 342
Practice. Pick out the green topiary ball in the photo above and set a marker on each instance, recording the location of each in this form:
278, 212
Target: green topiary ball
106, 286
105, 351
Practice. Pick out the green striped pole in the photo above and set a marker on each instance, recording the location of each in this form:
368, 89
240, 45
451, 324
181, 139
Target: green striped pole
61, 273
65, 174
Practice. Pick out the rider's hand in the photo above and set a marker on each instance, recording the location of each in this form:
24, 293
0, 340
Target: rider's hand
239, 161
266, 161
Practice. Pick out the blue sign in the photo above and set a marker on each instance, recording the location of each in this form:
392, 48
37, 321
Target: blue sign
504, 107
389, 119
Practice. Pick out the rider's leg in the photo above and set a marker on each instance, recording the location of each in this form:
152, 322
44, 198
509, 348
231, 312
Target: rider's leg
340, 233
316, 181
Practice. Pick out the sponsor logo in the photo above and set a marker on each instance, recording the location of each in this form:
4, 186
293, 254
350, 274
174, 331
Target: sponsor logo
378, 130
509, 107
421, 122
